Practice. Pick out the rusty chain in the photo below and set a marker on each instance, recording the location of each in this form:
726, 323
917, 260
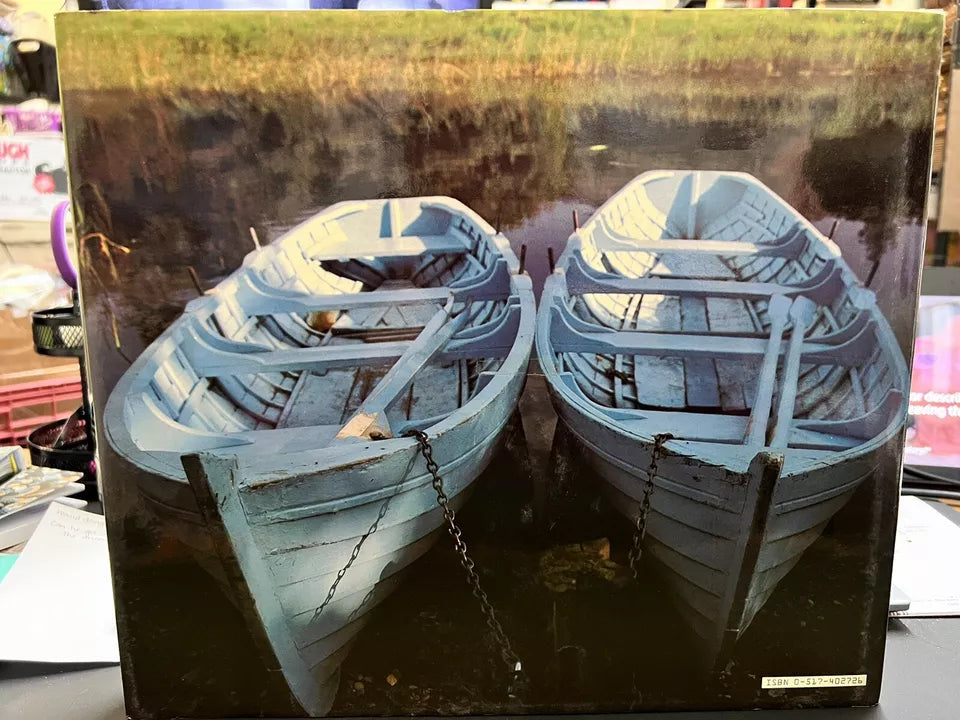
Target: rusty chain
353, 556
640, 530
510, 658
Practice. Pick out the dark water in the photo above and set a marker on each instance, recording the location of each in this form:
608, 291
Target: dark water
592, 638
170, 184
182, 184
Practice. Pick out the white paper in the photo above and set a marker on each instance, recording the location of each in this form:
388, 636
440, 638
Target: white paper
17, 528
56, 603
925, 560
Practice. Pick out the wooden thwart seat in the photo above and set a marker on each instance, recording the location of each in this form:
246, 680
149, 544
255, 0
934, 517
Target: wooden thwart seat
208, 361
402, 246
606, 239
567, 335
257, 297
733, 429
583, 280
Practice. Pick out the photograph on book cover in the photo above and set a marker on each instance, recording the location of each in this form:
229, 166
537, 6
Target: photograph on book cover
499, 362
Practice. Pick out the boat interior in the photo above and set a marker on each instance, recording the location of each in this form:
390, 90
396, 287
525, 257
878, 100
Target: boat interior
700, 304
398, 326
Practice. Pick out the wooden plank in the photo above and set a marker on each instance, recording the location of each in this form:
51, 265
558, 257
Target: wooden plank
737, 378
630, 319
703, 427
767, 382
681, 265
763, 475
210, 362
688, 287
380, 247
566, 339
790, 244
694, 204
436, 391
801, 313
673, 286
659, 381
810, 439
605, 239
619, 372
581, 279
262, 300
318, 399
392, 207
694, 246
370, 420
700, 373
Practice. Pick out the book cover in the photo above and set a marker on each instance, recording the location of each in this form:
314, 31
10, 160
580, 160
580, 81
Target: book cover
499, 362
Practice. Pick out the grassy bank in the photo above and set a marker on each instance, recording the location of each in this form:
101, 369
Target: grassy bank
342, 53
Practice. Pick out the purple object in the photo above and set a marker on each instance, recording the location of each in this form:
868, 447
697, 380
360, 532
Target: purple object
33, 120
58, 241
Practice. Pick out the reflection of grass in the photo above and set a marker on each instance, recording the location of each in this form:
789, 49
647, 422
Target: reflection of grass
344, 52
833, 106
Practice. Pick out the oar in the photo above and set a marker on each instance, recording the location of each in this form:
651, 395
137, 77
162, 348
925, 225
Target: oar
801, 313
777, 311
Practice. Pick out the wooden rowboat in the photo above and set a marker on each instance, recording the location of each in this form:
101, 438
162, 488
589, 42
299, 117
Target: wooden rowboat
701, 305
274, 413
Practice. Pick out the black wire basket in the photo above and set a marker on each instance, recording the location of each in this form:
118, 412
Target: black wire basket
58, 332
65, 444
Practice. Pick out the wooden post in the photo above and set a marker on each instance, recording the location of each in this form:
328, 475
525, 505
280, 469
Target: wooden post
833, 229
763, 474
576, 220
195, 279
523, 257
550, 260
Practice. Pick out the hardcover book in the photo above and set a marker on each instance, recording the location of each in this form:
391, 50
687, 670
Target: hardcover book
499, 362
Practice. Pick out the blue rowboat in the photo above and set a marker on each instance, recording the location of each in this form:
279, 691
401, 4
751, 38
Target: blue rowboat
270, 421
698, 314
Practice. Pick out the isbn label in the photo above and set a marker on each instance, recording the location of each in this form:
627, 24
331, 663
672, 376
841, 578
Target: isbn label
812, 681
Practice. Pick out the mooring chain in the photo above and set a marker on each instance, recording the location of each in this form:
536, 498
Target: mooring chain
353, 556
510, 658
640, 530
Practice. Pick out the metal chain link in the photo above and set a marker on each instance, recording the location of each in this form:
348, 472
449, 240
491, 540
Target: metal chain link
510, 658
353, 556
640, 530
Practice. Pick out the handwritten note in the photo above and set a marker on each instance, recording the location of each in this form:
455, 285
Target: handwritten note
56, 603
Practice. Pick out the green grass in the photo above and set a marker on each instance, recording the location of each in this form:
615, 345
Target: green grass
355, 53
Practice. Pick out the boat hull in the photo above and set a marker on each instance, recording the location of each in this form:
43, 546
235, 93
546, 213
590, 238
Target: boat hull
295, 478
298, 560
700, 522
698, 316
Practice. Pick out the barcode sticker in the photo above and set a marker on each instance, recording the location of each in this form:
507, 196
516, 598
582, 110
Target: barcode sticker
812, 681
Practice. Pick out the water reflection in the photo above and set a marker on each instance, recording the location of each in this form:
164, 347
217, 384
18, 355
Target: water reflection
180, 183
